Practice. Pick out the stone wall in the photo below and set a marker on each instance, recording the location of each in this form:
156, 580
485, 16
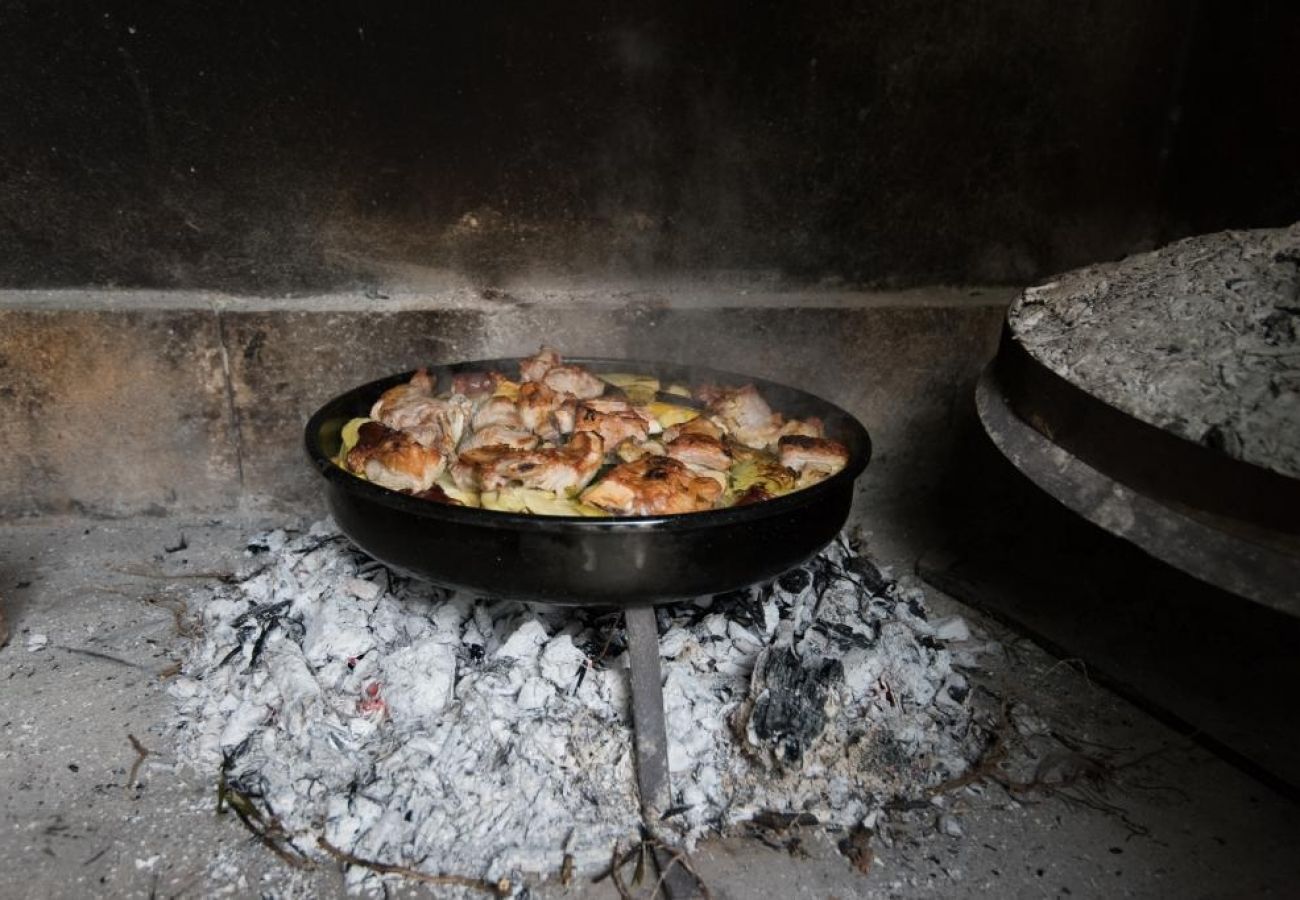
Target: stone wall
120, 403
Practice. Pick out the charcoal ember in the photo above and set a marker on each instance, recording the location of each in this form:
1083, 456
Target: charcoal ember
795, 581
790, 703
846, 637
742, 607
872, 578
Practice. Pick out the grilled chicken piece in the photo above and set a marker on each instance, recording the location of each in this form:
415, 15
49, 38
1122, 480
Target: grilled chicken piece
467, 470
534, 368
434, 422
497, 411
574, 380
631, 451
652, 485
614, 420
699, 451
500, 436
804, 454
565, 417
564, 469
474, 384
394, 459
418, 389
746, 416
547, 412
811, 427
699, 425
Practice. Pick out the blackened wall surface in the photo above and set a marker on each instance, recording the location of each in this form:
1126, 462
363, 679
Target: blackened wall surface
282, 147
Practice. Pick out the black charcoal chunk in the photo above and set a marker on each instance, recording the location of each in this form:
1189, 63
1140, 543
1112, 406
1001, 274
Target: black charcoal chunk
871, 577
790, 712
742, 607
795, 581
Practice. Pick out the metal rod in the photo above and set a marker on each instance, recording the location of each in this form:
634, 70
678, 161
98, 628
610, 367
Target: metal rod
650, 739
650, 733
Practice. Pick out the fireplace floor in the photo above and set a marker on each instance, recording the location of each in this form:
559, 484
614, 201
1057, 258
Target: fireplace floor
91, 609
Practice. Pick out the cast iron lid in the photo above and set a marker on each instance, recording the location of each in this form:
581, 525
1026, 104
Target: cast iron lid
323, 438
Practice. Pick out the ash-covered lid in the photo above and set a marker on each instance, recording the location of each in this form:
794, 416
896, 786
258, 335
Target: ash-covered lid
1201, 338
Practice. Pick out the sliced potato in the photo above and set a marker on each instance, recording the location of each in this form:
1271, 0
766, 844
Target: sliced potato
539, 503
670, 414
628, 381
639, 395
348, 436
508, 389
503, 501
468, 498
351, 433
545, 503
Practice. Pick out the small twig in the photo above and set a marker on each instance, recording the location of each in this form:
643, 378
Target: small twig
95, 654
141, 752
988, 763
499, 888
267, 830
647, 847
168, 576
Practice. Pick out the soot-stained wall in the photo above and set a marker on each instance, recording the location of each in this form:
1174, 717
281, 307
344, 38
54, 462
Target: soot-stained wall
287, 147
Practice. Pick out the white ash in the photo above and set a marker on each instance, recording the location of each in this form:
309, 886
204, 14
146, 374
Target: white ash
414, 726
1201, 338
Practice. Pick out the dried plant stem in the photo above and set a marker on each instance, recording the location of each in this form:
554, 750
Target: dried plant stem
141, 752
500, 888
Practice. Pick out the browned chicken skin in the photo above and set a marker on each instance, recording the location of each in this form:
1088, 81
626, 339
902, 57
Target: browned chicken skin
500, 436
746, 416
652, 485
394, 459
497, 411
614, 420
800, 453
563, 470
545, 411
698, 425
574, 380
534, 368
699, 451
419, 388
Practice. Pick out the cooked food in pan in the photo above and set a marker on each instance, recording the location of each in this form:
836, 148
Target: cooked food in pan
563, 441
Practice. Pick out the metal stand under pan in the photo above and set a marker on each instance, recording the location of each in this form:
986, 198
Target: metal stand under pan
650, 739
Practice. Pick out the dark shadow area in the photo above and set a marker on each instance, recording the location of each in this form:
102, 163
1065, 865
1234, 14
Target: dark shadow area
1214, 665
270, 148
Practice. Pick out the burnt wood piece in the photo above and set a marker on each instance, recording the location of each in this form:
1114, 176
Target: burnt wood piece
790, 700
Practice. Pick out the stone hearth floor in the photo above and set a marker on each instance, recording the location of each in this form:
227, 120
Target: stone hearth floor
91, 606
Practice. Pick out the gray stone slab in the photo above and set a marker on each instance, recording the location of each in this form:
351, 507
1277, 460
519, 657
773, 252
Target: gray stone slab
114, 410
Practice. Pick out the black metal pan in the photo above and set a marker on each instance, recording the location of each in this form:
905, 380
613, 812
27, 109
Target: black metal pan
618, 561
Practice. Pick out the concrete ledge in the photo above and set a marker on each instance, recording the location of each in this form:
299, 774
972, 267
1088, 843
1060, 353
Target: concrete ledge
121, 403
